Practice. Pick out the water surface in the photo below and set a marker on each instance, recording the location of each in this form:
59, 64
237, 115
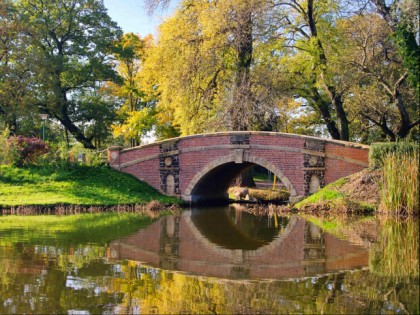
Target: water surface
218, 260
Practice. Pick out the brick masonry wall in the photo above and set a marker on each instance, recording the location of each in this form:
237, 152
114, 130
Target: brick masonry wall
338, 168
148, 170
290, 163
290, 154
193, 162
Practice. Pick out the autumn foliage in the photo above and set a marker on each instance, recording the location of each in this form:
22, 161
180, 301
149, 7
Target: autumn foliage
27, 150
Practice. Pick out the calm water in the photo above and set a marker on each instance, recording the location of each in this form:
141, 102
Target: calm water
217, 261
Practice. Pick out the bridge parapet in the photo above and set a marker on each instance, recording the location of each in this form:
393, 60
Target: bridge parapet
201, 167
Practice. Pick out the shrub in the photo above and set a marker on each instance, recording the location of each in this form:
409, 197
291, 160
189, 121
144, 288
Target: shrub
378, 151
60, 154
27, 150
79, 154
7, 152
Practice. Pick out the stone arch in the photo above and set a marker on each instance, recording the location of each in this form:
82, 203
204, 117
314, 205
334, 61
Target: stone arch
231, 158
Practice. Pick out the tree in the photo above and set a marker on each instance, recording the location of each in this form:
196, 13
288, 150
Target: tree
382, 94
237, 65
71, 41
402, 16
15, 74
307, 29
136, 112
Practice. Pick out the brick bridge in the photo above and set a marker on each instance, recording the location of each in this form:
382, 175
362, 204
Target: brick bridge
201, 167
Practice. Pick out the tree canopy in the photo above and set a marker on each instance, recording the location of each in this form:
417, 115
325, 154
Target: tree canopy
342, 69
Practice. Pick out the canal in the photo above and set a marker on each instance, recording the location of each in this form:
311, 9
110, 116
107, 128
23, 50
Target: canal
220, 260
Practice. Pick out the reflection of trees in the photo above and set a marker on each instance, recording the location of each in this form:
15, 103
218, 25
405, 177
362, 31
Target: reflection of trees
357, 292
55, 279
396, 254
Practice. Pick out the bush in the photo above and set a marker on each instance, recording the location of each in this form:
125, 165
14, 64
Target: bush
378, 151
7, 152
61, 154
26, 150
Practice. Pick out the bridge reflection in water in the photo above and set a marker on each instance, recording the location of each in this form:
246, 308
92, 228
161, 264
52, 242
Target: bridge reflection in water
227, 243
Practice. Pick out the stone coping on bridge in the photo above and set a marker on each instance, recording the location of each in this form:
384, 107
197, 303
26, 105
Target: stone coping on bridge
229, 133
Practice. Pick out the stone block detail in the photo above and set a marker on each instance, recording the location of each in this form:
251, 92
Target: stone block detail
239, 156
313, 166
239, 139
169, 168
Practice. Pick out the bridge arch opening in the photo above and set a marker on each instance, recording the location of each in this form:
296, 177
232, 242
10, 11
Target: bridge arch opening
211, 184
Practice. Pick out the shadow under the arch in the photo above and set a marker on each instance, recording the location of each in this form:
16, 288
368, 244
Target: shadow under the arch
212, 188
233, 230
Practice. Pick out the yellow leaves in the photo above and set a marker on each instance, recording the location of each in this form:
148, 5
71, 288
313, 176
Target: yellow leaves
190, 69
135, 125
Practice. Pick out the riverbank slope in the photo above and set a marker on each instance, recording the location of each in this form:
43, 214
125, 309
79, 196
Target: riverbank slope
357, 193
74, 184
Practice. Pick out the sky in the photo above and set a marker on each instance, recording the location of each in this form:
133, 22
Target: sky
131, 16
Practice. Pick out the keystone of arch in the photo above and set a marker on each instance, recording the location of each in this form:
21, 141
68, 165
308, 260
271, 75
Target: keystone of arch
247, 158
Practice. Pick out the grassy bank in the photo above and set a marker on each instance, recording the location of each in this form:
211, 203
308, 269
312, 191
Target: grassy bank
73, 185
357, 193
390, 185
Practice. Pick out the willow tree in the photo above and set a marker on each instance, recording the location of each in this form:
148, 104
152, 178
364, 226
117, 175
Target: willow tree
201, 66
71, 41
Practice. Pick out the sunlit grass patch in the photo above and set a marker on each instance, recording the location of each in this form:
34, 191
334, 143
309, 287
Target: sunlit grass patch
73, 184
328, 193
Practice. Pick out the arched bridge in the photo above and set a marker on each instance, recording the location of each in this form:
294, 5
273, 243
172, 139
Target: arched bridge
201, 167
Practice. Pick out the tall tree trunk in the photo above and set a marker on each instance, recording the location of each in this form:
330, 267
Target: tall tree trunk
243, 115
246, 178
241, 108
335, 97
337, 102
324, 109
75, 131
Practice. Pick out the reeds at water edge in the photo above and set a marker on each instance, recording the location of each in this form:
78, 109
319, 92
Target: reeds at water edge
400, 185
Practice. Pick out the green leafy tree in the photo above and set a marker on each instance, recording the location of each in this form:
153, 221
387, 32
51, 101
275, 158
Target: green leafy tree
71, 41
15, 75
136, 111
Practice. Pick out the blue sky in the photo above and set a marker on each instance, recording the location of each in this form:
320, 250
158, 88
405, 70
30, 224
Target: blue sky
131, 16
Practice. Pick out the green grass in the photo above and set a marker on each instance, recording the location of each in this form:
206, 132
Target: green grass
262, 177
73, 184
332, 199
72, 229
328, 193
